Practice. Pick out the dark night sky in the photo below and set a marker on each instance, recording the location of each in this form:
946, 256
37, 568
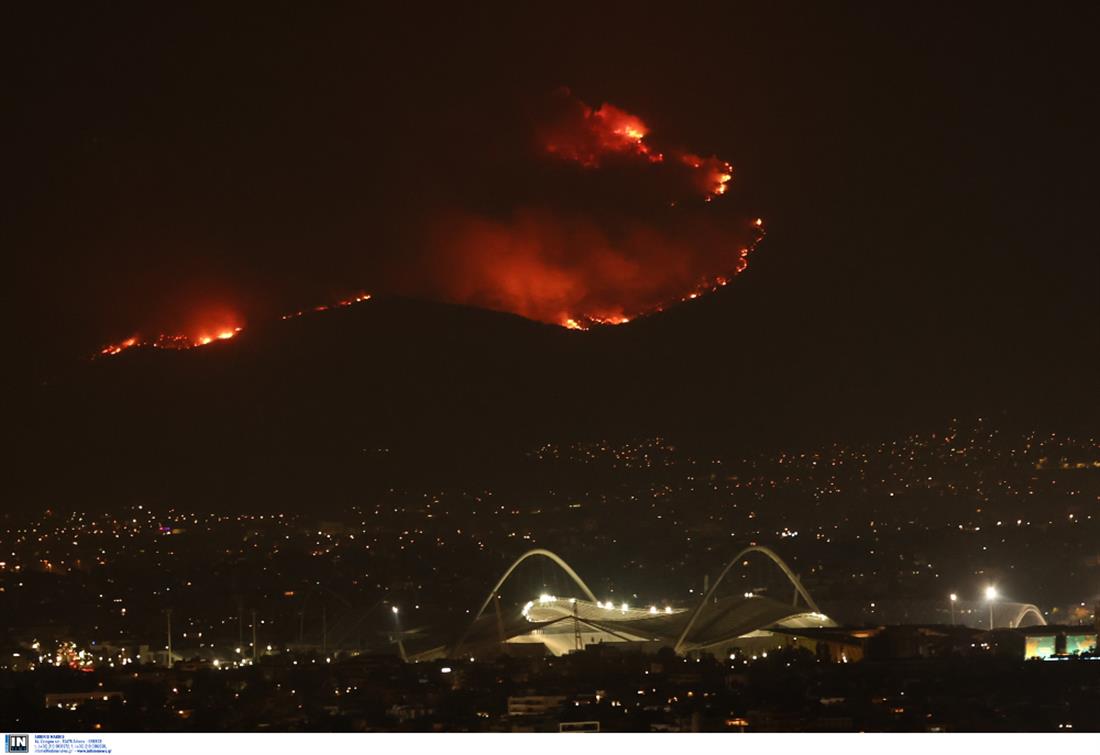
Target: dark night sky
928, 172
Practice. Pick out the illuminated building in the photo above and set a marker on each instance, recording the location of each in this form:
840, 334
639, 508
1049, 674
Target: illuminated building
1052, 642
713, 624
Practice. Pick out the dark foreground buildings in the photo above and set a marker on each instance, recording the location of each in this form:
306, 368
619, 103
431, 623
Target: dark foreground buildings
899, 678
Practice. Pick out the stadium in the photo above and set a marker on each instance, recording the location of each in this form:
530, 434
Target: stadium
716, 623
559, 625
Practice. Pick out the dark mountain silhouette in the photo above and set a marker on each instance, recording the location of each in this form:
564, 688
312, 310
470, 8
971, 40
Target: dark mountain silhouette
311, 411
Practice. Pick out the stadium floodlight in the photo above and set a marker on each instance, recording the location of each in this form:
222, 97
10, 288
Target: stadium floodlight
991, 596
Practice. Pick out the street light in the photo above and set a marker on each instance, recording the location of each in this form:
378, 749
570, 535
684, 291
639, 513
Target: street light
954, 598
400, 638
991, 597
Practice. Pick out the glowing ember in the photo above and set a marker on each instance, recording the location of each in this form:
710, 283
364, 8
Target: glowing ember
179, 342
170, 341
711, 177
357, 299
589, 136
117, 348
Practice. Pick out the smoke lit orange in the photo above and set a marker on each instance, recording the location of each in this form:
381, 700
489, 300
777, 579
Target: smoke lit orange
529, 265
649, 233
598, 265
589, 136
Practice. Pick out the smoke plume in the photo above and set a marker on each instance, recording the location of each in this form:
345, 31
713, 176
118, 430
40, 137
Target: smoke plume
625, 226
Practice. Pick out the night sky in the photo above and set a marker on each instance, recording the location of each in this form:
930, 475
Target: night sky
928, 174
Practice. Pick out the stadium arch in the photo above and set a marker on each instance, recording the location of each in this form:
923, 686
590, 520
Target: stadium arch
1026, 609
500, 583
791, 577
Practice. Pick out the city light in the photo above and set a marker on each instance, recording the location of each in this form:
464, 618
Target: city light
588, 365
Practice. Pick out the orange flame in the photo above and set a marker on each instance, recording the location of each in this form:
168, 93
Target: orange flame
179, 341
586, 136
570, 270
587, 321
171, 341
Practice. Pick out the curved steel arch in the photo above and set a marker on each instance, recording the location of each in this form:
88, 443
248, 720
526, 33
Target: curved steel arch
500, 582
744, 552
1024, 611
